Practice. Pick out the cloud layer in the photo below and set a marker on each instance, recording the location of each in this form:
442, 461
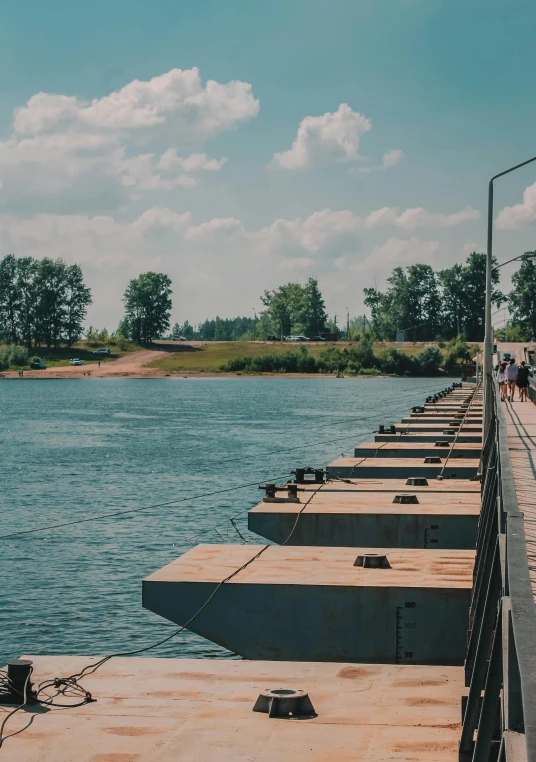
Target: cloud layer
87, 153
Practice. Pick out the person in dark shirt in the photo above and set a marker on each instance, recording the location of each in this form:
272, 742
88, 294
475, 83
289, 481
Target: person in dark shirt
522, 381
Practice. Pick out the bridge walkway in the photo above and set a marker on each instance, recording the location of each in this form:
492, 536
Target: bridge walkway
521, 434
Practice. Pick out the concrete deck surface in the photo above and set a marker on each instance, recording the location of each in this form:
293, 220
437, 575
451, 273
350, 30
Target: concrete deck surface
521, 433
394, 485
353, 519
376, 502
456, 468
187, 710
289, 565
405, 449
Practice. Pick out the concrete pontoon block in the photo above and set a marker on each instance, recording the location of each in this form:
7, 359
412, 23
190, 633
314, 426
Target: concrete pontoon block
313, 604
372, 520
404, 449
181, 710
398, 468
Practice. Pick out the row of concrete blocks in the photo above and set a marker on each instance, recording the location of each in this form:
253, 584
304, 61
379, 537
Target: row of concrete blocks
315, 598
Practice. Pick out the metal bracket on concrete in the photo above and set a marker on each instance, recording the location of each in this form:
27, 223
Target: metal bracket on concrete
283, 702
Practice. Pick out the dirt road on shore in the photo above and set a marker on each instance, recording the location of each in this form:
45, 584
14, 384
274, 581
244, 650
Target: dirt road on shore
131, 365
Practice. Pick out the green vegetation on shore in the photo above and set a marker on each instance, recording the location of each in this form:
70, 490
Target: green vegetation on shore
15, 357
362, 358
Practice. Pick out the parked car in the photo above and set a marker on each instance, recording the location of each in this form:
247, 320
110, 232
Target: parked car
38, 365
180, 338
530, 369
317, 338
76, 361
297, 338
273, 338
102, 351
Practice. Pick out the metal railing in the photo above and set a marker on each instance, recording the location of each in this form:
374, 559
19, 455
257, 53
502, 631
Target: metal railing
499, 714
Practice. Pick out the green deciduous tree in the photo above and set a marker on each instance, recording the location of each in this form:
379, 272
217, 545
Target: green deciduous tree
147, 307
411, 304
464, 296
77, 299
9, 299
425, 304
522, 299
295, 308
312, 316
41, 301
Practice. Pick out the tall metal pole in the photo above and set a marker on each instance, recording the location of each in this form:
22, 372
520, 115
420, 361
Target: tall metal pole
488, 328
488, 335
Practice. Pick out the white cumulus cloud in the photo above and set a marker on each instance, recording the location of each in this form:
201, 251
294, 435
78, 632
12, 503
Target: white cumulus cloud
85, 153
520, 214
332, 137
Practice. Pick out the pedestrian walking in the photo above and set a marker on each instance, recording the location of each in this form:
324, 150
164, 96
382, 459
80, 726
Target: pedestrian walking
522, 381
511, 378
501, 380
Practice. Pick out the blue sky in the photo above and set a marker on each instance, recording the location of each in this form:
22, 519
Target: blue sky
203, 181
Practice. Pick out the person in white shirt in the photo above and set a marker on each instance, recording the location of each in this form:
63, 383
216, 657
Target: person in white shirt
501, 380
511, 378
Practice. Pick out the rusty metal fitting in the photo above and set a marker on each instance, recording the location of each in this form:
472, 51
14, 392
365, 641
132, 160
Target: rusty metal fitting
284, 702
372, 561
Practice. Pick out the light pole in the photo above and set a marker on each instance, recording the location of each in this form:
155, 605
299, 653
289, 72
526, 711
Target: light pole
347, 325
488, 335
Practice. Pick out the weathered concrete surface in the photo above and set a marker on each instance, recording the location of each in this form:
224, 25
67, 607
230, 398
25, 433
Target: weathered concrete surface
428, 426
394, 485
521, 433
454, 413
398, 468
399, 449
444, 420
187, 710
404, 436
371, 520
313, 604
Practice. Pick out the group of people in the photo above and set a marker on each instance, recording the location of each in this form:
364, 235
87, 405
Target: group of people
510, 375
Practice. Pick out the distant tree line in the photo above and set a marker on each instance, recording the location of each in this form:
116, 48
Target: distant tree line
428, 305
218, 329
290, 309
42, 302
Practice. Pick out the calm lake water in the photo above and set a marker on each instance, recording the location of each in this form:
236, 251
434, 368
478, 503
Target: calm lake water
73, 449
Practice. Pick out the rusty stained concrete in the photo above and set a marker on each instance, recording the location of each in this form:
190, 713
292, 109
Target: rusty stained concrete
443, 420
374, 502
354, 519
467, 414
434, 486
407, 449
187, 710
440, 426
521, 433
314, 604
432, 436
397, 468
334, 567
